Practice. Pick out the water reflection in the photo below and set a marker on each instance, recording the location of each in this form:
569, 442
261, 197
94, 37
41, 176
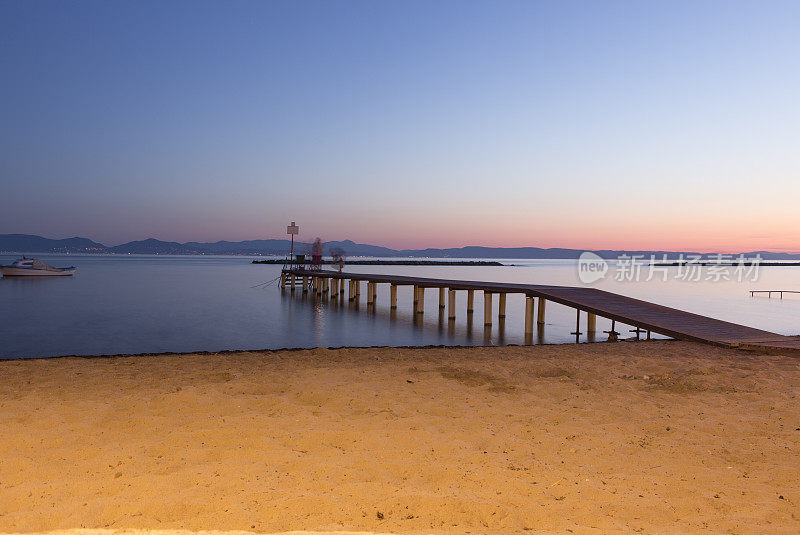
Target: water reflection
458, 331
455, 331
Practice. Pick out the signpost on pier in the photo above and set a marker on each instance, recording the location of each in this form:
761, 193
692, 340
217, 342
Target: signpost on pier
292, 230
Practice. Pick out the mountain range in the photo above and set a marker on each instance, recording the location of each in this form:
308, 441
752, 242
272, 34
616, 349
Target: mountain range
27, 243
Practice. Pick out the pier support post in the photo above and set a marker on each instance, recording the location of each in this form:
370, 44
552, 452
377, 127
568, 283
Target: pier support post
613, 335
502, 312
370, 293
393, 296
318, 285
283, 280
487, 308
416, 296
335, 288
326, 285
420, 299
591, 322
350, 290
451, 302
442, 292
540, 311
291, 281
577, 332
470, 301
305, 285
357, 286
529, 315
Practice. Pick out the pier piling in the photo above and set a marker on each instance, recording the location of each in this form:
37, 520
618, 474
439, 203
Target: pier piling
577, 332
591, 322
540, 311
528, 315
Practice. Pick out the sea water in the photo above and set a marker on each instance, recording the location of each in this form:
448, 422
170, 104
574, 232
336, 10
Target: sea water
149, 304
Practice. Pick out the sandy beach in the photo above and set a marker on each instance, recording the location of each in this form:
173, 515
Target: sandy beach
651, 437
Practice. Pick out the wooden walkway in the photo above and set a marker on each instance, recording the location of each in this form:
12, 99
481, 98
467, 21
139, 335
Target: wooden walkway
770, 292
648, 316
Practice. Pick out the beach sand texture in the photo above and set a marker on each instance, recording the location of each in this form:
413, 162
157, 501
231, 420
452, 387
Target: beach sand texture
655, 437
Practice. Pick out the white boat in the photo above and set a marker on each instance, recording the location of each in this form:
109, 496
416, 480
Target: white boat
33, 267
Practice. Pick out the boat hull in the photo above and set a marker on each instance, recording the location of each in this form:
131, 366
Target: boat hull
9, 271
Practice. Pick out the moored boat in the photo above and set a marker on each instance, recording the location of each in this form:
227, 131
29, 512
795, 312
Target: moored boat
33, 267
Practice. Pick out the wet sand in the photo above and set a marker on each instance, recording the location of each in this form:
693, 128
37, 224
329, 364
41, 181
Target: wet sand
666, 437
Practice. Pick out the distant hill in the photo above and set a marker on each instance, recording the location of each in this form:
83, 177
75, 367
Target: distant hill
360, 249
559, 253
248, 247
152, 246
26, 243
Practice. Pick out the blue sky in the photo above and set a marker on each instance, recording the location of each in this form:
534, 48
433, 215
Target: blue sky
576, 124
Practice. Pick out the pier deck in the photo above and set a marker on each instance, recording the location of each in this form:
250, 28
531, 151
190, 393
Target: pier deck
649, 316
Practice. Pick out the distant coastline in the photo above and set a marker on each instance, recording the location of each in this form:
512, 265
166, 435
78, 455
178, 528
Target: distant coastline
28, 243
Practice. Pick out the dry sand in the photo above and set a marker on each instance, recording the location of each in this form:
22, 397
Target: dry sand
654, 437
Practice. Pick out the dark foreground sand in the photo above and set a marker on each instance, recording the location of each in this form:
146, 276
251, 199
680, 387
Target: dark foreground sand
653, 437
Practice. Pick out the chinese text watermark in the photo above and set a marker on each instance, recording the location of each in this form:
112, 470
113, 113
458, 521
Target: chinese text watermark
690, 268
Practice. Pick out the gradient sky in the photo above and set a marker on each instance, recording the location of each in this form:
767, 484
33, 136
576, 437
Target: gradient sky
638, 125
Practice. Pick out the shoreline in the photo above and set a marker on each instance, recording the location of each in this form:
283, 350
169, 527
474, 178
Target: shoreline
657, 436
224, 352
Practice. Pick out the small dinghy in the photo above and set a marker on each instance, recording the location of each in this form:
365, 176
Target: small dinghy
33, 267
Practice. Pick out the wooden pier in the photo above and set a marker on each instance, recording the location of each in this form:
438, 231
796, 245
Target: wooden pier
644, 316
770, 292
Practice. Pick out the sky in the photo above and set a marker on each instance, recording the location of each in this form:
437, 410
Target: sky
615, 125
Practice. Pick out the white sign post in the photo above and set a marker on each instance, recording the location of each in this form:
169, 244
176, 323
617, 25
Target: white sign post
292, 230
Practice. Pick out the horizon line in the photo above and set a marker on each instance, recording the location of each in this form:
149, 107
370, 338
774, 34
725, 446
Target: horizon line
696, 250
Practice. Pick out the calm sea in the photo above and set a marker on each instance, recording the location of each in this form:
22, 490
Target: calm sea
149, 304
